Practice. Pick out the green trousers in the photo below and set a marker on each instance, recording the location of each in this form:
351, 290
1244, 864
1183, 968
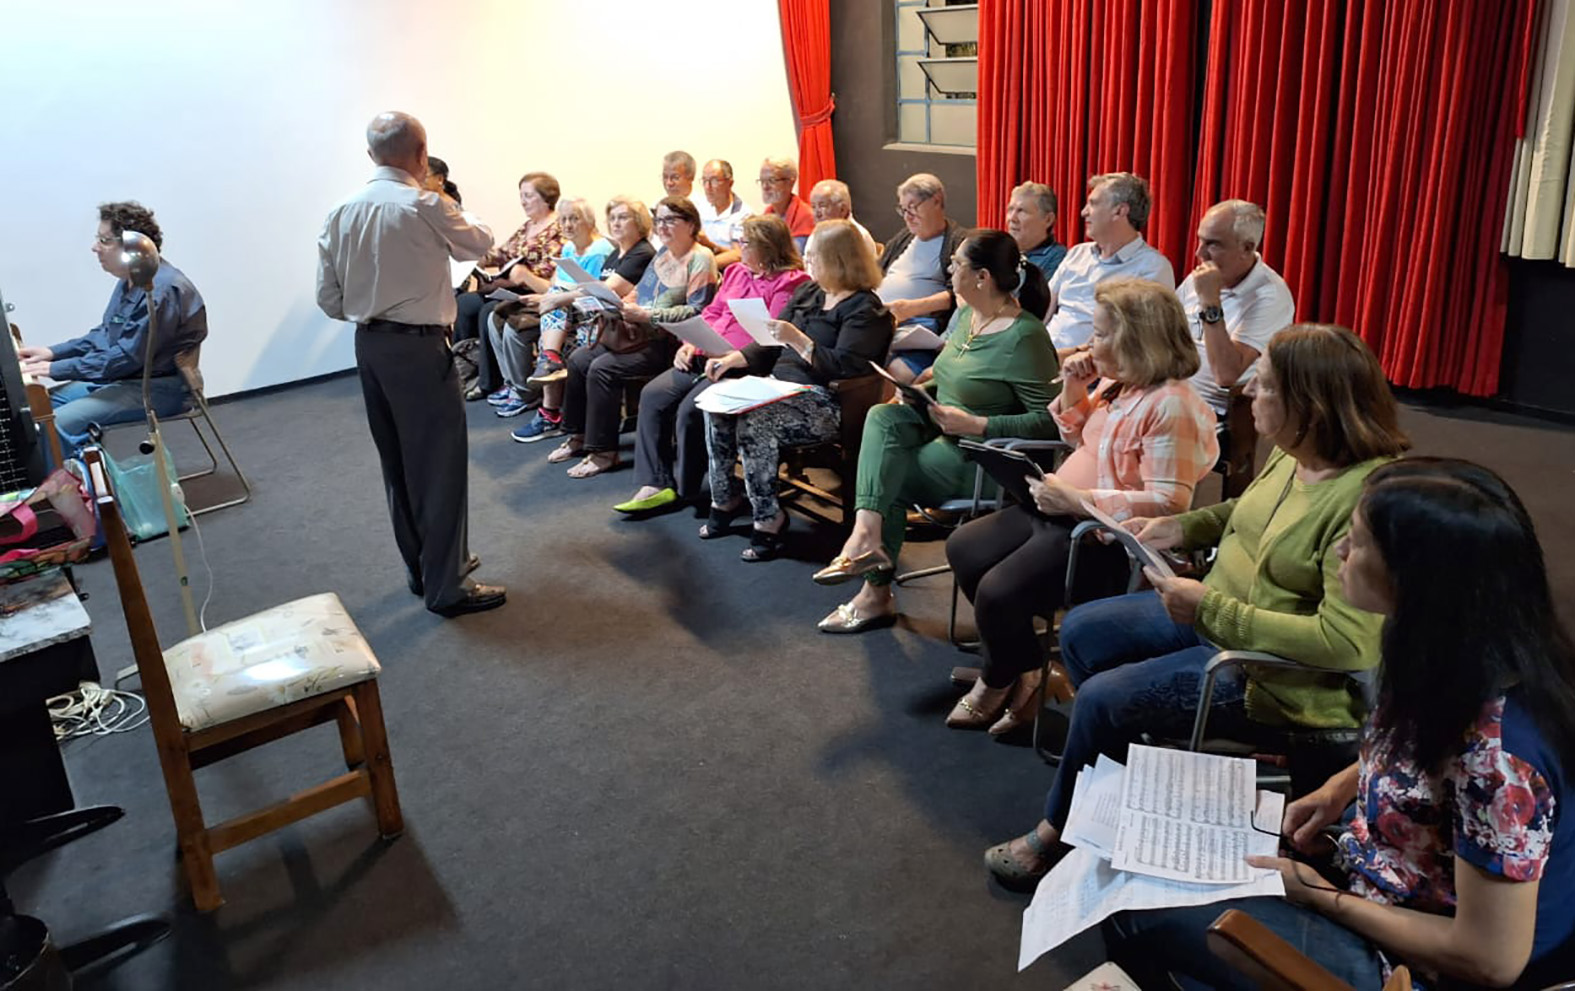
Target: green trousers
904, 460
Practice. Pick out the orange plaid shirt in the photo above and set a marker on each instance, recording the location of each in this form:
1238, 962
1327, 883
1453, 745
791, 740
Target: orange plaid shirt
1153, 450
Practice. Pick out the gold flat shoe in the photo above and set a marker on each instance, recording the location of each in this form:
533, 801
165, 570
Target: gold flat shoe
843, 568
846, 619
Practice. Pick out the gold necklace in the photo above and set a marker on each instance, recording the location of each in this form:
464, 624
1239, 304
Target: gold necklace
974, 326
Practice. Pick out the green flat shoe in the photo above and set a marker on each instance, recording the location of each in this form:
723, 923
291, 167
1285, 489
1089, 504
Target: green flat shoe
665, 497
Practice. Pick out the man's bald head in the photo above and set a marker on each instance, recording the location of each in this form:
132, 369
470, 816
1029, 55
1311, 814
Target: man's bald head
399, 140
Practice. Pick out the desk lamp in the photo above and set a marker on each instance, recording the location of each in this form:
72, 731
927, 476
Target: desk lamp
141, 257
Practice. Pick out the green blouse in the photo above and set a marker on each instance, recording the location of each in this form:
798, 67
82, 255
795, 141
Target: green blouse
1003, 377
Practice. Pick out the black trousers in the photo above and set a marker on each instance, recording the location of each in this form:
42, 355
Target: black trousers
417, 418
467, 323
1012, 566
669, 444
593, 392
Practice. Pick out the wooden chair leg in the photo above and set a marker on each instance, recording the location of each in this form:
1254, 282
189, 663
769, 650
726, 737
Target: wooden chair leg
379, 766
350, 734
191, 833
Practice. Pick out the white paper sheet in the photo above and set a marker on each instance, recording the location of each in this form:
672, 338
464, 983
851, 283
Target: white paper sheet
741, 395
697, 332
589, 283
753, 316
1189, 816
1106, 977
916, 338
1095, 814
503, 296
1143, 552
1082, 891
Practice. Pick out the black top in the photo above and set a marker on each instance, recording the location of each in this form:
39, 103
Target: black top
847, 338
630, 266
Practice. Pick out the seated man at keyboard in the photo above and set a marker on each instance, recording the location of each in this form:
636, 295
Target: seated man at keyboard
99, 374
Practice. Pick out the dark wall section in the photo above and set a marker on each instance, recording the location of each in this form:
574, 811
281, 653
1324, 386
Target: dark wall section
1539, 340
862, 77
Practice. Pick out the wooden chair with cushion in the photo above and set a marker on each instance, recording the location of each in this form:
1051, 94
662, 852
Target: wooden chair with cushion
244, 684
856, 397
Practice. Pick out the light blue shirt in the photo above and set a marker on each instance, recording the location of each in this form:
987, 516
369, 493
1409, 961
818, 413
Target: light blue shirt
1072, 288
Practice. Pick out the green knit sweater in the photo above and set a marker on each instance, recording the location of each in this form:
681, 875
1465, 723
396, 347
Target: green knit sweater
1275, 587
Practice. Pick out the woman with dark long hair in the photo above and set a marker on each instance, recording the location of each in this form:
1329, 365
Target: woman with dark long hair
1457, 860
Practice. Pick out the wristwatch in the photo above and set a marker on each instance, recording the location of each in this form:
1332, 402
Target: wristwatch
1211, 314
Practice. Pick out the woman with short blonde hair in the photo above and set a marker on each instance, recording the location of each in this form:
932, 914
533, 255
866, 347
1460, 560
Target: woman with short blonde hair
1143, 439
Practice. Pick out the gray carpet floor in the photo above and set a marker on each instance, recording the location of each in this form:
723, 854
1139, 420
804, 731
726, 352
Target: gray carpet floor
647, 770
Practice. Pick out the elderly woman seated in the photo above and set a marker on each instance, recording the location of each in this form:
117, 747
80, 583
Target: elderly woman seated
1137, 660
832, 329
992, 379
1143, 439
669, 452
679, 283
566, 309
1454, 848
524, 264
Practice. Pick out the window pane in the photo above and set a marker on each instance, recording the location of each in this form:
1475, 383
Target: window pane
954, 124
910, 79
911, 36
910, 123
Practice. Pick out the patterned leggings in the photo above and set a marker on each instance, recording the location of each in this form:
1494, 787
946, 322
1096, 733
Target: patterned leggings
757, 436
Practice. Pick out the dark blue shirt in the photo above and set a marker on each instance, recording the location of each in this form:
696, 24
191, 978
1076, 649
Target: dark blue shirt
115, 348
1047, 257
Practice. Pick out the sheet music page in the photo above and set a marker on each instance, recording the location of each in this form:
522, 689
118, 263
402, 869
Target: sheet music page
1082, 891
752, 315
576, 272
504, 296
916, 338
1144, 553
697, 332
1189, 816
1095, 815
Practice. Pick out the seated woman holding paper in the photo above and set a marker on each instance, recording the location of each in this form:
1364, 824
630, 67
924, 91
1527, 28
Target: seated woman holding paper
1459, 854
992, 379
669, 449
628, 226
1143, 439
1137, 660
513, 348
524, 263
678, 284
832, 329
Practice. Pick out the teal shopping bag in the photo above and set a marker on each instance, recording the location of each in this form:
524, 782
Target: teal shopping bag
135, 482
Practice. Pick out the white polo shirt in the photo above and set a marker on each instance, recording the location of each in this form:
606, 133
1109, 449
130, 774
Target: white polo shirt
1256, 308
1083, 269
719, 226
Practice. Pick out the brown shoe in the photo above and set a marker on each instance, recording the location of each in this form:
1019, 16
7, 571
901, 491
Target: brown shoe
479, 598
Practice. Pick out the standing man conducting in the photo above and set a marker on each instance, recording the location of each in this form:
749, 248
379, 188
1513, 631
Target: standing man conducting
383, 264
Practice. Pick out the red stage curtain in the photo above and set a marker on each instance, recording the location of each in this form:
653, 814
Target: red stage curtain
1119, 98
806, 47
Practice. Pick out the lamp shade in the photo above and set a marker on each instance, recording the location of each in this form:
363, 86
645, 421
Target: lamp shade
141, 257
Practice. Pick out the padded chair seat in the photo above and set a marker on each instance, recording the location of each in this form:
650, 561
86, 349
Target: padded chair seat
273, 658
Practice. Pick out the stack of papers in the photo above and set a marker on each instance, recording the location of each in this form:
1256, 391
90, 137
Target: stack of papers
741, 395
1170, 828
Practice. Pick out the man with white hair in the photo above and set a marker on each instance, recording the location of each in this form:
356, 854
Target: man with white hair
678, 173
831, 200
777, 178
917, 262
1234, 301
1114, 216
720, 208
383, 264
1030, 219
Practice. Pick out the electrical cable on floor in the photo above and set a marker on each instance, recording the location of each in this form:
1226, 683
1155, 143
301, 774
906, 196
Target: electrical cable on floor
202, 552
93, 710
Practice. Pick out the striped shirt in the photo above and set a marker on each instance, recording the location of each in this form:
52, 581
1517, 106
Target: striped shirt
1149, 450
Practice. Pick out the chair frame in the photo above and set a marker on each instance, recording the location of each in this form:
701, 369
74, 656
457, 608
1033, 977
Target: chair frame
199, 411
357, 709
856, 396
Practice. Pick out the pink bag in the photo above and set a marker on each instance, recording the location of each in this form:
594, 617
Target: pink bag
45, 528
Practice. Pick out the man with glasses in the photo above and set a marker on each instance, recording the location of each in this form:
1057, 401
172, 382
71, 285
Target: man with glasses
678, 173
720, 208
102, 369
831, 200
918, 267
777, 178
383, 264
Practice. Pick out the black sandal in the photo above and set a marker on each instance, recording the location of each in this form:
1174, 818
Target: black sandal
764, 544
720, 522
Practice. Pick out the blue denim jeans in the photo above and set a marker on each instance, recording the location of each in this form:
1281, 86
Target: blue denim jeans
1136, 671
78, 404
1147, 945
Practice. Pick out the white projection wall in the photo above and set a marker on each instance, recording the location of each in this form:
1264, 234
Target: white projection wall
240, 124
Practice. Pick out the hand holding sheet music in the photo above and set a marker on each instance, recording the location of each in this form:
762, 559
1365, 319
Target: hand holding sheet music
1145, 555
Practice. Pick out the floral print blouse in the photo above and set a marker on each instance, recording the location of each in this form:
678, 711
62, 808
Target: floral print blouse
535, 253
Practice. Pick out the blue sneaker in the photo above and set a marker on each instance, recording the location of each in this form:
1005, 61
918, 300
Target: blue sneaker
539, 428
500, 397
514, 407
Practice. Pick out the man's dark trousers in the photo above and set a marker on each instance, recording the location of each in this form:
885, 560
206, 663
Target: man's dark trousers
417, 418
